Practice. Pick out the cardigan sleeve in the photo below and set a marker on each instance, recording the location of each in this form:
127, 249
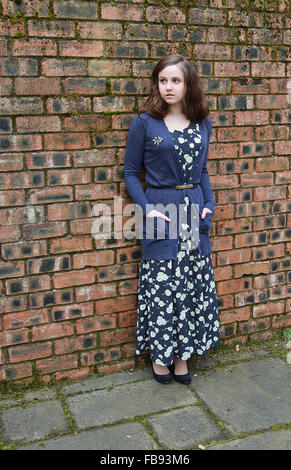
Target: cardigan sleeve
204, 179
133, 161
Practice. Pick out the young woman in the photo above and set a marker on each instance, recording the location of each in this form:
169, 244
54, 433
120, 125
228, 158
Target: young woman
177, 304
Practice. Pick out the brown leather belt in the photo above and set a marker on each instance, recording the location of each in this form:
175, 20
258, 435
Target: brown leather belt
180, 186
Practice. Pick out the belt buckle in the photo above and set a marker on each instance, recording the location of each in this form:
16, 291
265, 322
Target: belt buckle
184, 186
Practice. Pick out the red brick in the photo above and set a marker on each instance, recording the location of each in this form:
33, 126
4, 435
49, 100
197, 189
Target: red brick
130, 286
96, 192
207, 16
93, 259
127, 319
74, 375
100, 30
100, 356
112, 368
31, 47
272, 308
234, 285
55, 330
13, 304
75, 9
125, 335
37, 86
46, 366
272, 164
69, 345
25, 319
28, 284
251, 269
27, 7
74, 278
6, 86
86, 123
255, 325
93, 157
270, 69
68, 105
131, 13
11, 269
170, 15
24, 250
21, 106
45, 230
81, 49
48, 28
238, 314
12, 198
117, 304
87, 325
72, 311
47, 195
66, 177
29, 352
84, 85
281, 321
3, 47
95, 291
7, 28
109, 68
38, 124
64, 245
11, 162
283, 147
66, 141
16, 371
18, 143
69, 211
8, 338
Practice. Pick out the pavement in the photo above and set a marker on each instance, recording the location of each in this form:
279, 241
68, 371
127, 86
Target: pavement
239, 399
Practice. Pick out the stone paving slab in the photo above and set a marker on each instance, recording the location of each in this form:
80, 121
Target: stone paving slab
127, 401
30, 396
33, 421
95, 383
248, 397
127, 436
273, 440
224, 359
185, 428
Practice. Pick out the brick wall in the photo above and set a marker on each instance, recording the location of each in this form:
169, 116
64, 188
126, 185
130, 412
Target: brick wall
72, 76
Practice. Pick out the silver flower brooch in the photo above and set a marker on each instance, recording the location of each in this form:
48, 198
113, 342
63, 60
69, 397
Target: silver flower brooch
157, 140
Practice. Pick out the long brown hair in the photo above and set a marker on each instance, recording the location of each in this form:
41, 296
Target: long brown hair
194, 104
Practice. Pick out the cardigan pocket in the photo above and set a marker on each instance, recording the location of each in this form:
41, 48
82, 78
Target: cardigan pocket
205, 224
155, 228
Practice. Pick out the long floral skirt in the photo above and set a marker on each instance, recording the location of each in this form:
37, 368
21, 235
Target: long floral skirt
177, 307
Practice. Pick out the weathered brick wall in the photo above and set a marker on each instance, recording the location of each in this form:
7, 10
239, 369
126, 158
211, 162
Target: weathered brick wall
73, 75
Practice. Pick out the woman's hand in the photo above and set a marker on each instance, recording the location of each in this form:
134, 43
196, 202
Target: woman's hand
205, 211
155, 213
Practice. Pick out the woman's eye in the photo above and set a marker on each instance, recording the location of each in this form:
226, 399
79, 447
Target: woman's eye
175, 80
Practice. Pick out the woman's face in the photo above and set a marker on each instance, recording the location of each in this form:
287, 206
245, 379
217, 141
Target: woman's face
172, 85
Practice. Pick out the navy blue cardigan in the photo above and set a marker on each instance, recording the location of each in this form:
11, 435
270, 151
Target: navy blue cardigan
162, 168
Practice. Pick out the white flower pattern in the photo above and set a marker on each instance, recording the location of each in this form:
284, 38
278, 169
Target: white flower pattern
179, 315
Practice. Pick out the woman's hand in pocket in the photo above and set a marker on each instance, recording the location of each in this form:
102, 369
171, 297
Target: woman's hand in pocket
155, 213
205, 211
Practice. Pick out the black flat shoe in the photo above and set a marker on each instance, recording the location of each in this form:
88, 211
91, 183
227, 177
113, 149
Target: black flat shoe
162, 378
183, 379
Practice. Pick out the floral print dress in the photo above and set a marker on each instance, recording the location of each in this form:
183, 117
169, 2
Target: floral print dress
177, 304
